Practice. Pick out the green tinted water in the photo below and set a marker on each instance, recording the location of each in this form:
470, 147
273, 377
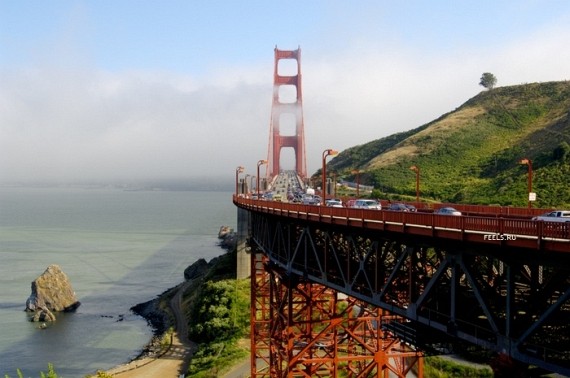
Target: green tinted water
118, 248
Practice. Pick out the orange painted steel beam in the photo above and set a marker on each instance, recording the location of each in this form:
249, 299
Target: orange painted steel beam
260, 317
303, 329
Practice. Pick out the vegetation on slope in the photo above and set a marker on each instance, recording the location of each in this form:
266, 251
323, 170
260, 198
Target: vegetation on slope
437, 367
218, 315
472, 155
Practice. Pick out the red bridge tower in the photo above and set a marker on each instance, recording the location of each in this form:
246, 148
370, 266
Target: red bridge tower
287, 107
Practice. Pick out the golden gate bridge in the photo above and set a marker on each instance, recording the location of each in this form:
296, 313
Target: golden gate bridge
370, 292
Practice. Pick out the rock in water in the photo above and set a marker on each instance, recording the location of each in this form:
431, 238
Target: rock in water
224, 231
43, 315
51, 292
228, 238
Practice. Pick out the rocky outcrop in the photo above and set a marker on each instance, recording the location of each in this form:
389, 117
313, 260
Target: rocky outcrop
224, 231
199, 268
154, 315
51, 292
43, 314
228, 238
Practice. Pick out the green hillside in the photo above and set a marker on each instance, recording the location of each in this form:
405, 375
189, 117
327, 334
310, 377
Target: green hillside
472, 154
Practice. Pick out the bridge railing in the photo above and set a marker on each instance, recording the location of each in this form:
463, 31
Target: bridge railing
494, 229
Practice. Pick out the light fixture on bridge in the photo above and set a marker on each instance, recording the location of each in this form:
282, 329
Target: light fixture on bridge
238, 171
251, 182
328, 152
416, 169
531, 195
245, 187
259, 163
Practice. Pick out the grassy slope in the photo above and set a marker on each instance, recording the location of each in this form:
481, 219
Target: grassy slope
472, 154
216, 355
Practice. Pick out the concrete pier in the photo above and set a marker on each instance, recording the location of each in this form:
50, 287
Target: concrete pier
243, 257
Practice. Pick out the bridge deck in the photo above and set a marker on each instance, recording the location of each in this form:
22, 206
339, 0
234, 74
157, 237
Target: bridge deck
497, 281
492, 230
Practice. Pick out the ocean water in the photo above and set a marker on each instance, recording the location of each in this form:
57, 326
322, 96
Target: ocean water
118, 248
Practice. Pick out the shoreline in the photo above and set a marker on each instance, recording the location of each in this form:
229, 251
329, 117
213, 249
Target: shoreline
173, 358
157, 319
161, 321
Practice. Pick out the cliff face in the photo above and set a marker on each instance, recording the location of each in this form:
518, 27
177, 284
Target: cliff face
51, 292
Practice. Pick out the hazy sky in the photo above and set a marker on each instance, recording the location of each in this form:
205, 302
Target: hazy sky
125, 89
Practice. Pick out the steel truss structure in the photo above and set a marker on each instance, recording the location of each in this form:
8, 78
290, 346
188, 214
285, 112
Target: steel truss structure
508, 301
304, 329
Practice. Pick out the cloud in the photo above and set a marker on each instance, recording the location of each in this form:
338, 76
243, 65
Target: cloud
90, 125
370, 91
82, 123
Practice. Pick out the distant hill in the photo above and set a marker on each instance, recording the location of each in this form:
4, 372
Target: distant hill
472, 154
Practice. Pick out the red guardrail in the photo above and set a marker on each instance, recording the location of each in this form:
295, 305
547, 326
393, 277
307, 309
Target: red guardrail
494, 229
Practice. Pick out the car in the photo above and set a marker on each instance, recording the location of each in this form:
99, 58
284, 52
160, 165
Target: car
333, 202
267, 196
411, 208
309, 199
447, 211
398, 207
367, 204
554, 216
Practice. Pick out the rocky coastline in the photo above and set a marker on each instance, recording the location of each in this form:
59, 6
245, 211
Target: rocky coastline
158, 319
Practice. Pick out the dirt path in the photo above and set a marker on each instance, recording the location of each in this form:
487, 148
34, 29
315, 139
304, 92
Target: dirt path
174, 362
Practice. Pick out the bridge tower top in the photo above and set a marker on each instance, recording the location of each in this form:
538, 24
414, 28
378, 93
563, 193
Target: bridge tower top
287, 127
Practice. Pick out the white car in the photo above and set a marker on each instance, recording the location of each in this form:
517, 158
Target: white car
367, 204
554, 216
447, 211
333, 203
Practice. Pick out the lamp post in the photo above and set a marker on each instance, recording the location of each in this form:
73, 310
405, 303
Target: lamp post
528, 162
417, 170
245, 188
251, 182
357, 172
326, 153
238, 171
261, 162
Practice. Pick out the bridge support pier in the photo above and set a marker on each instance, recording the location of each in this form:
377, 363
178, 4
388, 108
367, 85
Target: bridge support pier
302, 329
243, 258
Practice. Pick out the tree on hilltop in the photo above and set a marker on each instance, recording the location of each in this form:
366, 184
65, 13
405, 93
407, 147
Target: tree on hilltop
488, 80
